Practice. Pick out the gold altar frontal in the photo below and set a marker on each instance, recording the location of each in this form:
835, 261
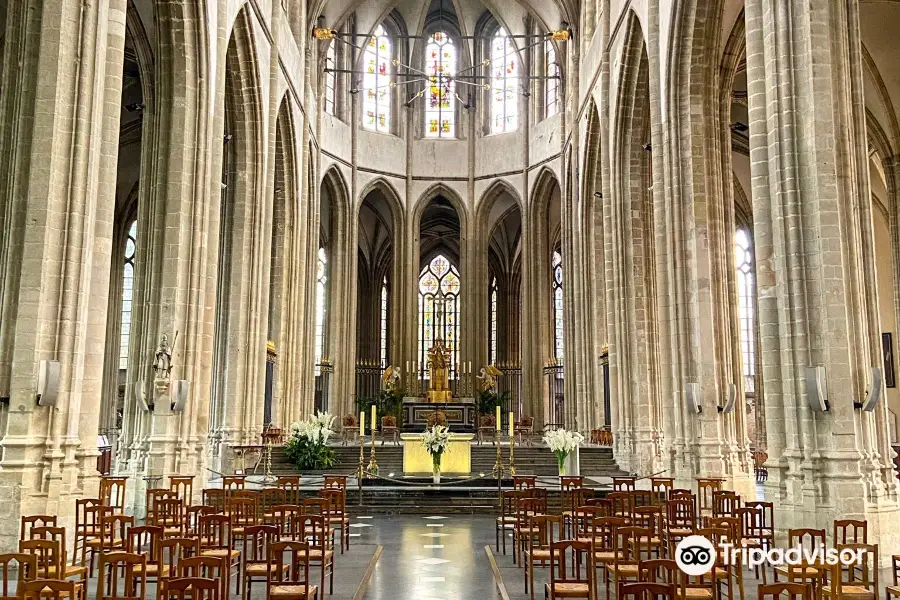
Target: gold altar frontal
456, 459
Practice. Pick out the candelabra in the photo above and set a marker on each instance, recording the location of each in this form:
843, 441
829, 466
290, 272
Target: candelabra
512, 456
373, 465
360, 471
498, 466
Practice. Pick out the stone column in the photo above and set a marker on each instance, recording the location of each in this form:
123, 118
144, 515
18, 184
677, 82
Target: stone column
58, 143
813, 234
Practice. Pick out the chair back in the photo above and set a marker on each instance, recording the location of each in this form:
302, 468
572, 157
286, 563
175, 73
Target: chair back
206, 567
290, 485
314, 530
646, 591
154, 495
681, 513
183, 486
172, 551
47, 554
286, 519
243, 511
571, 566
524, 482
15, 568
806, 538
863, 573
233, 483
314, 506
48, 589
256, 542
542, 531
623, 484
112, 492
288, 563
659, 570
125, 568
215, 498
778, 591
648, 517
335, 501
114, 531
850, 531
268, 499
634, 544
605, 530
725, 503
660, 487
193, 588
215, 532
145, 540
623, 504
570, 482
35, 521
87, 516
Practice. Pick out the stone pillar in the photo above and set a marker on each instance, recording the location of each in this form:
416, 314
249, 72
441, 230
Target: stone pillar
58, 143
813, 234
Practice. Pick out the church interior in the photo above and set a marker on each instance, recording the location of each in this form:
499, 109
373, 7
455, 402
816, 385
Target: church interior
442, 299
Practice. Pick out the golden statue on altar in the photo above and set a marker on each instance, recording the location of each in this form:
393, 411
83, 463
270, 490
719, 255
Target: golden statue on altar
439, 370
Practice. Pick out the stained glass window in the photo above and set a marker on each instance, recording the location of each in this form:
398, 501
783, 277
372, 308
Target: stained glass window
330, 63
321, 298
746, 285
440, 97
439, 283
377, 82
493, 357
504, 84
552, 89
127, 294
557, 287
384, 307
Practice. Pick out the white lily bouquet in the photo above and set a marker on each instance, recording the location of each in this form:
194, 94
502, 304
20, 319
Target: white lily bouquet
435, 441
563, 442
308, 445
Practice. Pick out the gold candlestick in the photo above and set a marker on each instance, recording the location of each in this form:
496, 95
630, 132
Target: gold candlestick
512, 457
360, 471
373, 465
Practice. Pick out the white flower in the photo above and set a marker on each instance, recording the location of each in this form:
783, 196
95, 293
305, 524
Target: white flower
316, 428
562, 440
436, 439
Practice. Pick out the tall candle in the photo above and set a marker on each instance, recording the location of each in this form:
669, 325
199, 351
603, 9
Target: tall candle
374, 422
407, 366
362, 423
511, 424
498, 418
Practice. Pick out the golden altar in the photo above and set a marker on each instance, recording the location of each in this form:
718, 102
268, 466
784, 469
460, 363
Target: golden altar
456, 459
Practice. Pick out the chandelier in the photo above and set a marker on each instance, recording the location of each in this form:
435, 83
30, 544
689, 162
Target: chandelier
441, 82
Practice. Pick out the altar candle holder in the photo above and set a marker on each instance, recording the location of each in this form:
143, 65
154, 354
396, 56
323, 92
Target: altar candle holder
373, 465
361, 468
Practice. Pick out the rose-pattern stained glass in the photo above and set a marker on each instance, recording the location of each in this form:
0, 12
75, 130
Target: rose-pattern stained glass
504, 84
439, 281
440, 98
377, 82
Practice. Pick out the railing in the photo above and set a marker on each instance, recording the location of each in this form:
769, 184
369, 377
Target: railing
368, 379
554, 373
324, 370
511, 381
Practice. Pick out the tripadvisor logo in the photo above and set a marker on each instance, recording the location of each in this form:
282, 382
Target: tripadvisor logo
695, 555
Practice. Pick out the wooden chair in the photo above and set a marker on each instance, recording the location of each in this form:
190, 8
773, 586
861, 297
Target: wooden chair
572, 489
215, 498
778, 591
542, 535
850, 531
268, 499
759, 465
524, 430
571, 571
153, 496
125, 568
705, 488
215, 540
389, 428
255, 554
893, 590
660, 487
660, 570
631, 546
487, 427
623, 484
35, 521
286, 519
526, 507
193, 588
603, 536
507, 519
87, 525
112, 492
336, 513
113, 536
146, 540
47, 556
521, 482
233, 483
858, 581
810, 540
183, 486
288, 577
192, 516
315, 532
681, 521
623, 504
23, 565
725, 503
168, 513
243, 512
349, 429
334, 482
290, 485
58, 536
207, 567
50, 589
646, 591
172, 552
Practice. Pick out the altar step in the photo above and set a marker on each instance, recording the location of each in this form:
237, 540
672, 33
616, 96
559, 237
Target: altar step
530, 460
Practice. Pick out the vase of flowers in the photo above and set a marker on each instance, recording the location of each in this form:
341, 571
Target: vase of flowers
435, 441
308, 445
562, 442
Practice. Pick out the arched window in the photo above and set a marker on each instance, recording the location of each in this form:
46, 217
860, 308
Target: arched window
551, 100
440, 98
384, 313
321, 298
439, 308
330, 78
557, 287
377, 82
127, 294
505, 80
746, 288
493, 357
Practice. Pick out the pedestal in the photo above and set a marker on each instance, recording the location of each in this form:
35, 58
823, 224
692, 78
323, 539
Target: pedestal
460, 414
456, 459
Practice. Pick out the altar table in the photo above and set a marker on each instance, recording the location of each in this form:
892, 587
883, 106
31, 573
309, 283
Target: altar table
456, 459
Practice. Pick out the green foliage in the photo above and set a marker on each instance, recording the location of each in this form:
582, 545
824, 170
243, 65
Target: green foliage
391, 403
364, 405
308, 455
489, 400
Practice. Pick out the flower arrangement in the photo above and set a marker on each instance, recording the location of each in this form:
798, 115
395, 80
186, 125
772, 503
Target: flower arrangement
435, 441
562, 442
308, 445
